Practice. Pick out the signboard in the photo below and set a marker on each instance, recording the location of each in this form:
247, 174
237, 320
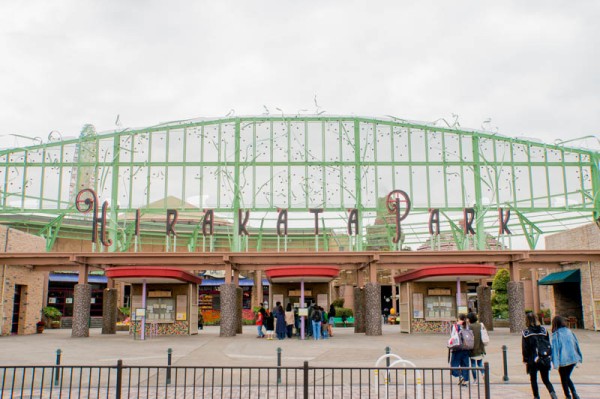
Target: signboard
159, 294
299, 293
439, 291
303, 312
139, 313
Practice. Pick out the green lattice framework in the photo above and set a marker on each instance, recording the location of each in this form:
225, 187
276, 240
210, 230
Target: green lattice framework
265, 163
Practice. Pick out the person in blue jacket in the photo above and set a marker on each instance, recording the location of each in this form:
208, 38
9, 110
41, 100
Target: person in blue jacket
565, 354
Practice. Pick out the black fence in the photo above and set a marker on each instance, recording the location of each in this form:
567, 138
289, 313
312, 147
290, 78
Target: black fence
122, 381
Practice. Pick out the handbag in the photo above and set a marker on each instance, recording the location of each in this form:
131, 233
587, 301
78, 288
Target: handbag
485, 337
454, 341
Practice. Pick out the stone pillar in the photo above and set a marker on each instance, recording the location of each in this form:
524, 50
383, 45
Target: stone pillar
372, 308
228, 310
347, 292
359, 310
109, 311
81, 310
257, 290
239, 303
516, 306
484, 306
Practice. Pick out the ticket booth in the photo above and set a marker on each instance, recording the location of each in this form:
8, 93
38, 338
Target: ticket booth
432, 297
163, 301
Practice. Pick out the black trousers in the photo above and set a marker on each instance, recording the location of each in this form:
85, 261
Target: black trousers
544, 373
565, 380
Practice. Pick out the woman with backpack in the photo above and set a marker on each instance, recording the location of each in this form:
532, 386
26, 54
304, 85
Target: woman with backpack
565, 354
459, 356
537, 354
478, 352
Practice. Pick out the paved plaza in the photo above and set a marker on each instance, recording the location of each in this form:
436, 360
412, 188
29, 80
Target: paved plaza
345, 349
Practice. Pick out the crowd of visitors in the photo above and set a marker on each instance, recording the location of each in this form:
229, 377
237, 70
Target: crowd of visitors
287, 323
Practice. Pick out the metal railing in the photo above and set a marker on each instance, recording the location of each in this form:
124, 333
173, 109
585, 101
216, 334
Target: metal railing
122, 381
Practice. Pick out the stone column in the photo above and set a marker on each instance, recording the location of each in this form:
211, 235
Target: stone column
239, 303
373, 309
484, 306
228, 310
109, 311
516, 306
359, 310
81, 310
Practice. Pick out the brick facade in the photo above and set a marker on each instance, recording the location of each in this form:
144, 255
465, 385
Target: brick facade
32, 282
583, 237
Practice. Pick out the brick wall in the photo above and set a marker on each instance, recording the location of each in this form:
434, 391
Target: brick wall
32, 293
584, 237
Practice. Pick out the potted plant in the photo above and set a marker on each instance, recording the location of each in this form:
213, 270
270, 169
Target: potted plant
53, 315
39, 326
546, 316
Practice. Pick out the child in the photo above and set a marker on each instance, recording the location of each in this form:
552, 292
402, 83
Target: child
270, 324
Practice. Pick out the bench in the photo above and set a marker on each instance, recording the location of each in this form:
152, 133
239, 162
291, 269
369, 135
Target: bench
337, 322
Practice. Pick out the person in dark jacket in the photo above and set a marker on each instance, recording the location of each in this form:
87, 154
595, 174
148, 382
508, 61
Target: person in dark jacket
565, 354
535, 337
478, 352
280, 328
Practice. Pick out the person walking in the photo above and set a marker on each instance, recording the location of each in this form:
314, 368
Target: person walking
289, 320
280, 328
478, 352
565, 354
459, 357
537, 354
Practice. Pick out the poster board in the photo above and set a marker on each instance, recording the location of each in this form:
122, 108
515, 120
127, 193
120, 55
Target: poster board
418, 311
277, 298
322, 301
181, 310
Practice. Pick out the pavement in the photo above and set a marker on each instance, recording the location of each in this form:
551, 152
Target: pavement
344, 349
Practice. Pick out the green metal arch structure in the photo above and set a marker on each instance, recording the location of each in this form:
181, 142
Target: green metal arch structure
334, 163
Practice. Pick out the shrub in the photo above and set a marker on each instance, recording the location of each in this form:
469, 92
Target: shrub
338, 303
51, 313
340, 312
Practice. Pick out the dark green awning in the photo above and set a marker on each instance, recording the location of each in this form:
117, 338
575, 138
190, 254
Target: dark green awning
567, 276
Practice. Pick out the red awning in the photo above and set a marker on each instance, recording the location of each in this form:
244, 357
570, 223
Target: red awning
155, 275
307, 273
447, 273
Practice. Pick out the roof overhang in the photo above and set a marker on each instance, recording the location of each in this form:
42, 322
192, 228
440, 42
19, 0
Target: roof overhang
447, 273
306, 273
152, 275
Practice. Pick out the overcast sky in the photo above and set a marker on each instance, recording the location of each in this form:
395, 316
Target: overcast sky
531, 66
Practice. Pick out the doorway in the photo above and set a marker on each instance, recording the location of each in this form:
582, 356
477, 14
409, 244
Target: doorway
16, 309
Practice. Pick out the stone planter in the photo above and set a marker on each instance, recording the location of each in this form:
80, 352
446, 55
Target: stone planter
55, 324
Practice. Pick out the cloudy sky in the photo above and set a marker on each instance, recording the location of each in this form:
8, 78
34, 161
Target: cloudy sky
531, 66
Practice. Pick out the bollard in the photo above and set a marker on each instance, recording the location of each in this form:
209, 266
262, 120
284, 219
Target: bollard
504, 360
57, 373
169, 352
486, 367
278, 365
305, 380
387, 359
